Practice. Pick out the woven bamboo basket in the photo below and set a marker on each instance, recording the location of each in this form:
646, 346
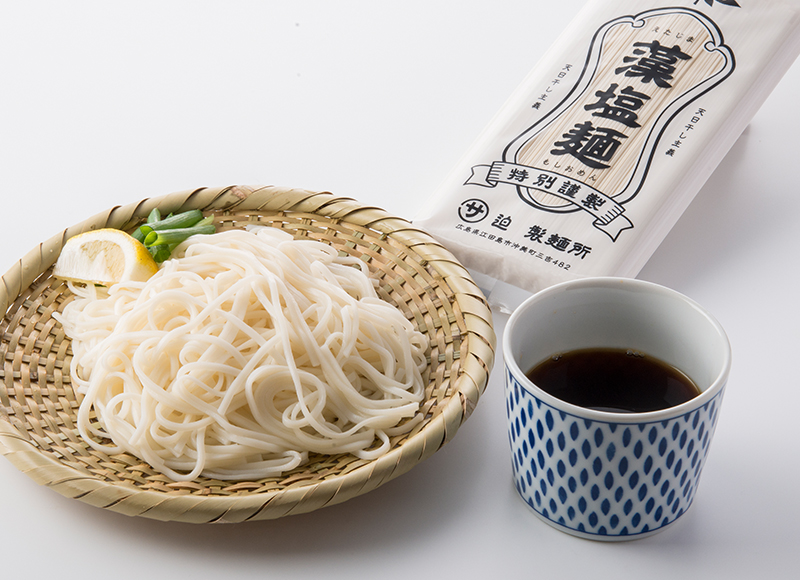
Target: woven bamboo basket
38, 405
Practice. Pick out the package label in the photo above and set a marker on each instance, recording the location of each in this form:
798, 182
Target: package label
591, 153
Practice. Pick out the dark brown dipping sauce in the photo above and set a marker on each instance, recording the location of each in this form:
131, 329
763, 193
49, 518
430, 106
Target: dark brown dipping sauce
616, 380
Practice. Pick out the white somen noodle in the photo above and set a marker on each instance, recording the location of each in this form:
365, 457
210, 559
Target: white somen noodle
240, 356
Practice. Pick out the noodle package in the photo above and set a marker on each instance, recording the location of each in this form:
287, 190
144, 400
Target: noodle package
593, 159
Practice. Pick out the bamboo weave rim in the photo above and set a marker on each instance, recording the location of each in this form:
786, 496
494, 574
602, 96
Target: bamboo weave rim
38, 405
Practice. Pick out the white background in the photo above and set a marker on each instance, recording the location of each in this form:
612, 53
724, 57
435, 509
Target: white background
106, 103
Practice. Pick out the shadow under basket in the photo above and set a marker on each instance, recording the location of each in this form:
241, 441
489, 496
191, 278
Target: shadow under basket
38, 405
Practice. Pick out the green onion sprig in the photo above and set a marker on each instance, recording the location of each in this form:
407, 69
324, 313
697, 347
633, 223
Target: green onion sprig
162, 236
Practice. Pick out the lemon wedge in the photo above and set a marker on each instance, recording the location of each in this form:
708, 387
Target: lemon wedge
104, 256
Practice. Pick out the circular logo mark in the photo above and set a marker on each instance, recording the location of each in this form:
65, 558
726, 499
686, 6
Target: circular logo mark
473, 210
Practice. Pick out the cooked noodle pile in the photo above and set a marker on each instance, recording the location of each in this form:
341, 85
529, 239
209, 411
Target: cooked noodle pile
242, 355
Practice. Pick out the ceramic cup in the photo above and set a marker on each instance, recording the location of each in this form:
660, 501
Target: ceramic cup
606, 475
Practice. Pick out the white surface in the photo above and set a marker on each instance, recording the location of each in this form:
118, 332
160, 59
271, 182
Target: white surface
106, 103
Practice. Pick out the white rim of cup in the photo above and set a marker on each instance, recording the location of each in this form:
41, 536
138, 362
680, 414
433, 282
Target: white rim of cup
607, 416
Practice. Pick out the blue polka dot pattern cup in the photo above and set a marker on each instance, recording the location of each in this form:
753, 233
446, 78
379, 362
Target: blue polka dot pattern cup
605, 475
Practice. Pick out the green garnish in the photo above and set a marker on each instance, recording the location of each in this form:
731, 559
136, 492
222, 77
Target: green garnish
162, 236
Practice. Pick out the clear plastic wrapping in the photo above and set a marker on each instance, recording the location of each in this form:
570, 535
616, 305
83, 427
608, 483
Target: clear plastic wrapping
595, 156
